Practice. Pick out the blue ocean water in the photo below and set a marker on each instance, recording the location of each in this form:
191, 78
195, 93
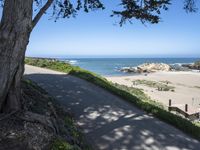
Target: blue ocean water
111, 66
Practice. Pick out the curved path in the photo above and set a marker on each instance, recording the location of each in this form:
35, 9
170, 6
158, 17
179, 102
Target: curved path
109, 122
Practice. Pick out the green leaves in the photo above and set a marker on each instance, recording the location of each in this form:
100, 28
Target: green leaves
143, 10
190, 6
147, 11
69, 8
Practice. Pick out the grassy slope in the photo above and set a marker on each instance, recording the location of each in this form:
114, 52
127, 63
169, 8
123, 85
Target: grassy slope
132, 95
38, 100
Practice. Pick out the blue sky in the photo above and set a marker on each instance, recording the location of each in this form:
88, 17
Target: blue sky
96, 34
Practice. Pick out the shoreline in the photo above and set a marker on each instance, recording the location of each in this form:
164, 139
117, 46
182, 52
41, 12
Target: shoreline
186, 86
159, 72
109, 67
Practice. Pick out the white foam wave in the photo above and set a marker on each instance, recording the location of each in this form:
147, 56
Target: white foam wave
73, 62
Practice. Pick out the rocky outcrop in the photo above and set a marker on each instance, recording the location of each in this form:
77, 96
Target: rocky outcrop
129, 70
179, 67
195, 66
147, 68
153, 67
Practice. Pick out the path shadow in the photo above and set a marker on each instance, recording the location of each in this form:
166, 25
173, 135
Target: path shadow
109, 122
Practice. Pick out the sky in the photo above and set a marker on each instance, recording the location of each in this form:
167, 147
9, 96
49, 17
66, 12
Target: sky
96, 34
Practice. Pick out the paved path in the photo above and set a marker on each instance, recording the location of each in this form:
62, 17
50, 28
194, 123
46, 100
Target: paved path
109, 122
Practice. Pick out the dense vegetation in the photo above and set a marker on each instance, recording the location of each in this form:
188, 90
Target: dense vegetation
69, 136
17, 132
132, 95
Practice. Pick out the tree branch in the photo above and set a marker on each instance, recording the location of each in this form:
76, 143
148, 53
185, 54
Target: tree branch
41, 12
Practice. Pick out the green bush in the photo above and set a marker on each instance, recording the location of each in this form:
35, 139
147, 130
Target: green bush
60, 144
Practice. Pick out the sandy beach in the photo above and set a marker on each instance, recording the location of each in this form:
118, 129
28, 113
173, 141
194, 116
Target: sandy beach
186, 87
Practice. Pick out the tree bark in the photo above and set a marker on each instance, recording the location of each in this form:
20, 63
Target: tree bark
15, 29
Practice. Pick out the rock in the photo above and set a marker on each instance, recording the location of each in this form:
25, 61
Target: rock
179, 67
129, 70
194, 66
153, 67
147, 68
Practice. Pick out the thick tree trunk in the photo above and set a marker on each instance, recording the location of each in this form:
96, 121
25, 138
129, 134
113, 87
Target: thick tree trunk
15, 29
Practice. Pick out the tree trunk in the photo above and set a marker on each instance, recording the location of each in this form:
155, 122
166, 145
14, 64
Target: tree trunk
15, 29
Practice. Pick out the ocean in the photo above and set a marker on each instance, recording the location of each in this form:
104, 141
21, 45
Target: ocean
111, 66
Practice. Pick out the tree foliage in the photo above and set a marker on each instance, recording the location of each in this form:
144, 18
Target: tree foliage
190, 5
143, 10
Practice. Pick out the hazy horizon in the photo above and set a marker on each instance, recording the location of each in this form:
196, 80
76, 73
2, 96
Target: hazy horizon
114, 56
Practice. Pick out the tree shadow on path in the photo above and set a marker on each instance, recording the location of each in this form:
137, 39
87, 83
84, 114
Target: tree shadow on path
109, 122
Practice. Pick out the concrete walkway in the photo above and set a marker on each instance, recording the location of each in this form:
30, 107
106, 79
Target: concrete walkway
109, 123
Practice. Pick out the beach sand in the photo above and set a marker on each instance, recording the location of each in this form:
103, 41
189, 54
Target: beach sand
187, 87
